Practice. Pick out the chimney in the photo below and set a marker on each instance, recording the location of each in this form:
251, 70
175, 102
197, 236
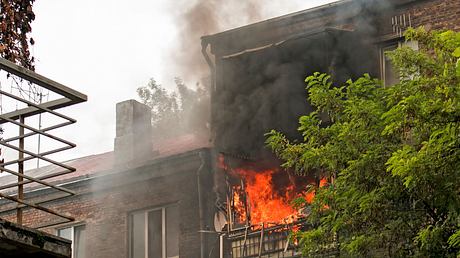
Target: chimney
133, 142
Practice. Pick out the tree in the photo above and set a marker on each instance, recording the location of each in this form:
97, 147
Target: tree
16, 17
392, 156
182, 111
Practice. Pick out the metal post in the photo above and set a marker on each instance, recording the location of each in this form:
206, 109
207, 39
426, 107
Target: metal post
221, 247
243, 251
261, 243
20, 170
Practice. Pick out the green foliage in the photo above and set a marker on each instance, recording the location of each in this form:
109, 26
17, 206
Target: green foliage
394, 154
178, 112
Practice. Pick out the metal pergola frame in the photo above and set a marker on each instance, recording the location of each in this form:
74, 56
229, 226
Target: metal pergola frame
68, 97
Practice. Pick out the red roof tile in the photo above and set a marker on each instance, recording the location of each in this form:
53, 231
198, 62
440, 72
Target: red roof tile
94, 164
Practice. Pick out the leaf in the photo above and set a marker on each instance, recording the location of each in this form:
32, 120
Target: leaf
457, 68
454, 239
456, 52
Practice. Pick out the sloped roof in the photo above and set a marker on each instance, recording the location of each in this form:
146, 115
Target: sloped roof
94, 164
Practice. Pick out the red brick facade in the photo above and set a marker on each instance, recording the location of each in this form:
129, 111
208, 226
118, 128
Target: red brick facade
104, 203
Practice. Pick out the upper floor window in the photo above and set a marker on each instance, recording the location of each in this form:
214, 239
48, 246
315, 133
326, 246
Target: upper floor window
76, 234
388, 72
154, 233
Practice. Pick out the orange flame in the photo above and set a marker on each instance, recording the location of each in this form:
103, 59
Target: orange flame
264, 197
265, 202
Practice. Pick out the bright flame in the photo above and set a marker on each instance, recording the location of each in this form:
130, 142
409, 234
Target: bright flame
266, 203
266, 195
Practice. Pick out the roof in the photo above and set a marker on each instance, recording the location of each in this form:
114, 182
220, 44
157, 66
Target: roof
310, 12
98, 163
276, 29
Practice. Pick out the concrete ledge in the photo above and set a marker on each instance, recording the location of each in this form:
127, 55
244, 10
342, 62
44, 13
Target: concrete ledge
18, 241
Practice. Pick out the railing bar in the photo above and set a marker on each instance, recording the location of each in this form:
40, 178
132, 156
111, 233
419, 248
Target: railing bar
37, 106
38, 203
20, 171
38, 181
31, 157
61, 173
43, 130
38, 207
38, 131
37, 156
261, 244
42, 81
53, 224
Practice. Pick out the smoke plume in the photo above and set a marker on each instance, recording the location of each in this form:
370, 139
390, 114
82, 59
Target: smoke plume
205, 17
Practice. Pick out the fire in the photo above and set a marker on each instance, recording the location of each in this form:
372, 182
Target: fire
266, 204
265, 196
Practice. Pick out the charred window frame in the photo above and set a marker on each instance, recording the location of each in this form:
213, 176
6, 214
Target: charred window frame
154, 233
388, 73
76, 234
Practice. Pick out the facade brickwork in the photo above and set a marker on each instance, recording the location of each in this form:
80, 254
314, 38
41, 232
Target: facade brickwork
103, 204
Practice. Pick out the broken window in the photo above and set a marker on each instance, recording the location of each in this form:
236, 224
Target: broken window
76, 234
154, 233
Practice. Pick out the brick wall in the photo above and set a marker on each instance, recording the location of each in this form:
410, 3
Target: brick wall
432, 14
103, 205
439, 14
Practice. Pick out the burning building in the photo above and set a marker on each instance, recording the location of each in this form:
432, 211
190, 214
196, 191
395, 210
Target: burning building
228, 197
258, 85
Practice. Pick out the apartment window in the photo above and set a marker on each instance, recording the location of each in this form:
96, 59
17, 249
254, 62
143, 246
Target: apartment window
388, 72
154, 233
77, 234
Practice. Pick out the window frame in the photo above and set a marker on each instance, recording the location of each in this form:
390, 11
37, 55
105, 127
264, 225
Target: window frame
387, 46
392, 45
146, 231
72, 230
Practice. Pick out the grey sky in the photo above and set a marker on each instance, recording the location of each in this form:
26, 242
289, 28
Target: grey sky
108, 48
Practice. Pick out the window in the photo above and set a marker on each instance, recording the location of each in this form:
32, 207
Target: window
154, 233
388, 73
77, 234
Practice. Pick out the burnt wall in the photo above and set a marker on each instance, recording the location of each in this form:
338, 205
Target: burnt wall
264, 89
261, 68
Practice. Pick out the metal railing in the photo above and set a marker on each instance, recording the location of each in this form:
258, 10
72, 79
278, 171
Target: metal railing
65, 96
271, 242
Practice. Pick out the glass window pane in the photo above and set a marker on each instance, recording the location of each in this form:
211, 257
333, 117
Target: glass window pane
65, 233
79, 241
390, 77
172, 232
155, 234
138, 235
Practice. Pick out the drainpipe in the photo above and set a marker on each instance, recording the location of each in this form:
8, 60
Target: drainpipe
212, 68
200, 205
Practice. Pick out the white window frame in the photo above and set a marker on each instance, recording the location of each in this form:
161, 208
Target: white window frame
391, 45
72, 234
146, 229
383, 49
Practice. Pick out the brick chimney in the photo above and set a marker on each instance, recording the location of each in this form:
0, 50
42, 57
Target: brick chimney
133, 142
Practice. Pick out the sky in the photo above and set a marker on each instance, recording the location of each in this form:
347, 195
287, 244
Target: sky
106, 49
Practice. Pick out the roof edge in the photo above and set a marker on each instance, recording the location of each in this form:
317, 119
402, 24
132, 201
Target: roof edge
311, 11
